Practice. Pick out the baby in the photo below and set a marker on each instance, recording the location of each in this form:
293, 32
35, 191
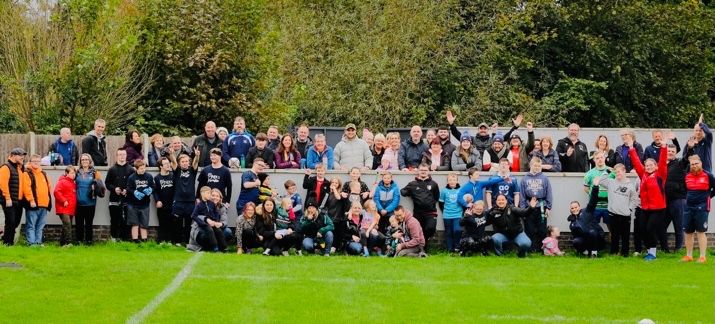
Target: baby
550, 244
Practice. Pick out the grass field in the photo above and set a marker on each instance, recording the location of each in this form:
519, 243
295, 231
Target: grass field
113, 283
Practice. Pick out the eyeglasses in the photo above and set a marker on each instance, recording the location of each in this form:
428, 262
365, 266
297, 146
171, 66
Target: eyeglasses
35, 161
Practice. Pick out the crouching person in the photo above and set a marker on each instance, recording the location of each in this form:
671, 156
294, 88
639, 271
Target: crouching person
506, 220
247, 237
585, 228
414, 244
206, 233
316, 227
474, 239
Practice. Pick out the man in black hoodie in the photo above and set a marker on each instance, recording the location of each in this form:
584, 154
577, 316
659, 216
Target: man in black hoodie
261, 150
425, 195
675, 193
95, 145
482, 141
116, 182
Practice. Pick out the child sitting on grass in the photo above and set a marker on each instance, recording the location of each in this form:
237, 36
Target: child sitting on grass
550, 244
474, 222
206, 231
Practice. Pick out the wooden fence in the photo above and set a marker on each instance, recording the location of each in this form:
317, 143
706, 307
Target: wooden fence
40, 144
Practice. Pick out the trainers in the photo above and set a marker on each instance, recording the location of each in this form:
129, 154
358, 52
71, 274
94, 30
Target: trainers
636, 253
267, 252
285, 253
299, 253
649, 257
686, 258
702, 259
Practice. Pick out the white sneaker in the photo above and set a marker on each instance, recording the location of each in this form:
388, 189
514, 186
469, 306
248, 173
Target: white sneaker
267, 252
285, 253
299, 253
636, 253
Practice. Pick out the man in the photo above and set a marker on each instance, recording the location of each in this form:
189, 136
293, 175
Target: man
482, 141
444, 138
262, 151
249, 185
116, 182
410, 155
425, 195
494, 154
652, 151
536, 185
507, 186
237, 144
600, 168
95, 143
414, 239
207, 141
701, 188
321, 153
573, 153
318, 187
675, 192
65, 149
216, 176
11, 190
302, 139
352, 151
703, 137
629, 136
273, 138
38, 195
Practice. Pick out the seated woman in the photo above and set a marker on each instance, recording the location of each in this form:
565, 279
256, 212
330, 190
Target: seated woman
466, 156
157, 144
506, 221
287, 156
133, 146
352, 230
316, 227
246, 230
549, 159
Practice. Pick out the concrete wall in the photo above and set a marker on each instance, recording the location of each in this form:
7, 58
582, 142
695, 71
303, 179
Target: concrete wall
567, 187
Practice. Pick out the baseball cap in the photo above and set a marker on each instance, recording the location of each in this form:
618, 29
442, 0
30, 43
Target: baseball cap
349, 126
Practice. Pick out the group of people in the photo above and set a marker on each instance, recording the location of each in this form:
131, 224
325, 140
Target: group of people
354, 218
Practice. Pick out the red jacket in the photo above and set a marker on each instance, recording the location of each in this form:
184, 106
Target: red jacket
652, 185
65, 190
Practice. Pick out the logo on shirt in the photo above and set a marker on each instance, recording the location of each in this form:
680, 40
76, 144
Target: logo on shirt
213, 178
166, 183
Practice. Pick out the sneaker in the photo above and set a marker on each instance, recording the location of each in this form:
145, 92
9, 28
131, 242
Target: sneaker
686, 258
285, 253
249, 251
299, 253
326, 255
702, 259
649, 257
636, 253
332, 250
267, 252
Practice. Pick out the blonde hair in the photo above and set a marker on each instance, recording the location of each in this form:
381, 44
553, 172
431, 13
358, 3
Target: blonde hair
547, 138
379, 136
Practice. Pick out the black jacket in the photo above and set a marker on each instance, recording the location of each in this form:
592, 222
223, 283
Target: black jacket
310, 183
675, 183
578, 161
473, 226
96, 148
118, 176
202, 143
507, 220
266, 154
424, 194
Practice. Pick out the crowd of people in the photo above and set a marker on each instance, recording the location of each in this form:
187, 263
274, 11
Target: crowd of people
192, 191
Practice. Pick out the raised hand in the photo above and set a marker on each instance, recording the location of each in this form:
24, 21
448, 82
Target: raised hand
517, 121
495, 127
450, 117
529, 127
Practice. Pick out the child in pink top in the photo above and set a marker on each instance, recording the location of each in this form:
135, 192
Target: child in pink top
368, 226
550, 244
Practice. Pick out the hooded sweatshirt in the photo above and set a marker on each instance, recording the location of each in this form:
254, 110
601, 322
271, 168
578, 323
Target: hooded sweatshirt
96, 147
413, 230
476, 189
448, 198
622, 195
352, 153
68, 151
536, 185
387, 197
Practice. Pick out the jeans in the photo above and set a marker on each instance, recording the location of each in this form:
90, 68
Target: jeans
35, 223
522, 242
674, 213
309, 243
353, 248
410, 252
13, 215
453, 232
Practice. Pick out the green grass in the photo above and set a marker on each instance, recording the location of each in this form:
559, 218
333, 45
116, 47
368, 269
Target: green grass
110, 283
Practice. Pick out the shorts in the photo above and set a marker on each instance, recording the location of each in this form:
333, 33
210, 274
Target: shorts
183, 209
599, 213
695, 219
138, 216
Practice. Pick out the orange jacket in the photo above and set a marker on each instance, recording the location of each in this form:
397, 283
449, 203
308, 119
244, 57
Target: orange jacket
42, 187
5, 182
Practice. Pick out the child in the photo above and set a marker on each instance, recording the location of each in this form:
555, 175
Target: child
66, 203
391, 241
139, 189
264, 191
206, 227
285, 234
296, 200
363, 192
474, 222
451, 211
354, 195
550, 244
368, 226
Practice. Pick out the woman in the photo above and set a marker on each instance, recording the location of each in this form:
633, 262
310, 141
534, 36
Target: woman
430, 135
466, 156
316, 227
436, 157
287, 156
246, 234
537, 147
133, 146
378, 150
222, 133
602, 146
391, 152
266, 224
548, 156
86, 200
386, 197
335, 206
506, 222
157, 144
652, 191
352, 235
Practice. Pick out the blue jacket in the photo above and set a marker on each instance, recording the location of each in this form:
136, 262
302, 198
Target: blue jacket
314, 157
84, 187
535, 185
387, 198
476, 189
237, 145
622, 151
410, 155
68, 151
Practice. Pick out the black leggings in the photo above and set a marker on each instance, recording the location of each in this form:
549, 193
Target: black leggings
620, 233
211, 239
654, 226
84, 220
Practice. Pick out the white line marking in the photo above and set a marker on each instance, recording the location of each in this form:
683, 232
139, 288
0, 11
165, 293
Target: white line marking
552, 318
168, 291
423, 282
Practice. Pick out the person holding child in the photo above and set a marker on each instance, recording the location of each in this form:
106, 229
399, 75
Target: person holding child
316, 227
